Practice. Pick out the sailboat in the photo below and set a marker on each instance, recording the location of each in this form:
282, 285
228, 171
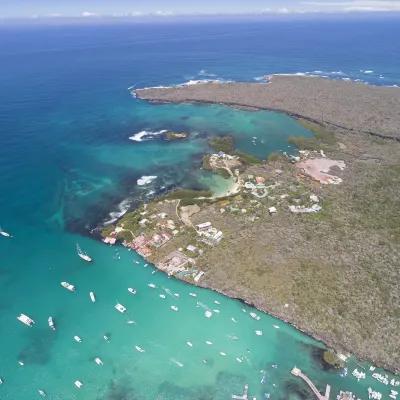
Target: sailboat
4, 233
82, 254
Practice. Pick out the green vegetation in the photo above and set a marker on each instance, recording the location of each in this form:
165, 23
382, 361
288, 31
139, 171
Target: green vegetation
107, 230
175, 135
124, 235
319, 131
223, 172
206, 163
224, 143
190, 202
247, 158
332, 359
188, 194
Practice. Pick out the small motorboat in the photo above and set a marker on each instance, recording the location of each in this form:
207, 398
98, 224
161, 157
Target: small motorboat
217, 302
234, 338
162, 296
136, 262
26, 320
176, 294
153, 272
274, 366
205, 361
145, 265
78, 384
120, 308
21, 363
276, 326
106, 338
131, 322
92, 296
193, 294
131, 290
255, 316
42, 392
175, 308
207, 342
1, 381
259, 333
216, 311
139, 349
51, 323
222, 353
189, 344
78, 339
233, 320
239, 359
208, 314
4, 233
244, 310
68, 286
98, 361
152, 286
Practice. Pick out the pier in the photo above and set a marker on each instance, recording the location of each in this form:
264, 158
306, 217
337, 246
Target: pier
244, 396
297, 372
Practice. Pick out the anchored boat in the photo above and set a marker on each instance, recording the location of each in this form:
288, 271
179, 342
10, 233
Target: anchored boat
78, 384
255, 316
42, 392
26, 320
139, 349
4, 233
92, 296
78, 339
68, 286
120, 308
98, 361
51, 323
82, 254
175, 308
131, 290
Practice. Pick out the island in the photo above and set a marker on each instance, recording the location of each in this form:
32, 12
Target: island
312, 238
175, 135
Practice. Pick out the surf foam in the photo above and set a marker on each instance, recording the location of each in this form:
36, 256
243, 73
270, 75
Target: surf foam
140, 136
145, 180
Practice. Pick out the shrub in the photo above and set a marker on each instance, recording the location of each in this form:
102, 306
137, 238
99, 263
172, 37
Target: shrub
224, 143
223, 172
332, 359
107, 230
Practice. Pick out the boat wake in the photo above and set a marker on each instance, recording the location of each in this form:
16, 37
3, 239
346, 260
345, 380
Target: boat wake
177, 362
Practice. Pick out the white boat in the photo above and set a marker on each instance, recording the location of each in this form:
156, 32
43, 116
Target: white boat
1, 381
68, 286
189, 344
153, 272
120, 308
259, 333
78, 384
255, 316
276, 326
176, 294
244, 310
208, 314
193, 294
162, 296
145, 265
98, 361
136, 262
4, 233
207, 342
42, 392
106, 338
139, 349
175, 308
233, 320
217, 302
216, 311
26, 320
239, 359
222, 353
131, 290
21, 363
51, 323
131, 322
152, 286
82, 254
234, 338
78, 339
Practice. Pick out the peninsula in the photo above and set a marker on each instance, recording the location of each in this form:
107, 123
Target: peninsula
313, 239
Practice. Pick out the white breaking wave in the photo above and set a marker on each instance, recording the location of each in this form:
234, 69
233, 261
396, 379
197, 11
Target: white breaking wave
123, 207
145, 180
368, 72
260, 78
146, 134
203, 72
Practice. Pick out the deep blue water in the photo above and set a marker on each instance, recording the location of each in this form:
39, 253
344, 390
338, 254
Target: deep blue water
66, 162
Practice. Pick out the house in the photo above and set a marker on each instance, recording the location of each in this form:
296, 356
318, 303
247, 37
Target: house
191, 248
260, 179
143, 221
314, 198
162, 215
272, 210
175, 232
221, 154
203, 227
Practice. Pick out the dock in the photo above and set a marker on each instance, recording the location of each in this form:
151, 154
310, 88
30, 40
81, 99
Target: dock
244, 396
297, 372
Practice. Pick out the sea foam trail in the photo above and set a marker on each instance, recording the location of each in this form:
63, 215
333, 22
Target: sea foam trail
145, 180
140, 136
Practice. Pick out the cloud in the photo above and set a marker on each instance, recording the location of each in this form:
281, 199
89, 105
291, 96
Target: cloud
284, 10
358, 5
163, 13
88, 14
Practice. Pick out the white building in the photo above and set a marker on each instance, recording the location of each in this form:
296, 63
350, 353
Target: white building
204, 227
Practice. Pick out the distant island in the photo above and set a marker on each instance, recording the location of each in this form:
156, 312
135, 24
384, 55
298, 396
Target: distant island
311, 238
175, 135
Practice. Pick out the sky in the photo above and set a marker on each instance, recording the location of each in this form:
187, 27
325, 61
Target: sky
165, 8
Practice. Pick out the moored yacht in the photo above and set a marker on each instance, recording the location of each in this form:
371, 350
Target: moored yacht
106, 338
120, 308
259, 333
139, 349
68, 286
175, 308
208, 314
222, 353
131, 322
78, 339
26, 320
4, 233
189, 344
255, 316
131, 290
233, 320
1, 381
276, 326
162, 296
82, 254
93, 298
78, 384
216, 311
42, 392
51, 323
193, 294
217, 302
98, 361
152, 286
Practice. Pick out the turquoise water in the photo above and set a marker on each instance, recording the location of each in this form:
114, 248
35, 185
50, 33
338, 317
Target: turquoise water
67, 163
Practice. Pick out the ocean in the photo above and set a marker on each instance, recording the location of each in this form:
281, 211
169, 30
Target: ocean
73, 149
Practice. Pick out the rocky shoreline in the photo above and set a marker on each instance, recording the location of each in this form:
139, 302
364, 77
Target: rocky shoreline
350, 106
